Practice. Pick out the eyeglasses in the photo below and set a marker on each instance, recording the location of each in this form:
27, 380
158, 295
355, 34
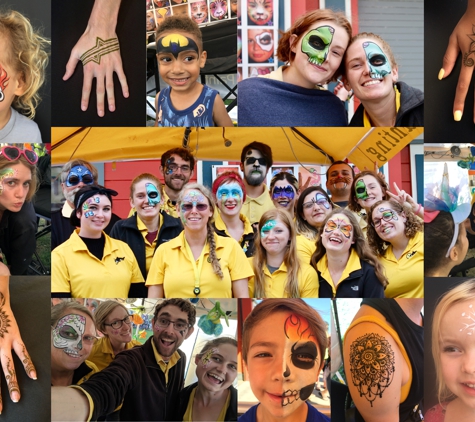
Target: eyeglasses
177, 325
319, 200
12, 153
69, 334
387, 215
252, 160
117, 324
74, 179
199, 207
173, 168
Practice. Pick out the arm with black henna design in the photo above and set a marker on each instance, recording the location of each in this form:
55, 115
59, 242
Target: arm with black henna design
375, 371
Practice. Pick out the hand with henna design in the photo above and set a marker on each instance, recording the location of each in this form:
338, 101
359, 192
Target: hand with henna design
98, 49
463, 40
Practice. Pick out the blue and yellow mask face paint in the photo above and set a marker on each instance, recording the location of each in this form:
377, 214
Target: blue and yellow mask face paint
316, 44
229, 191
153, 194
175, 44
379, 64
360, 190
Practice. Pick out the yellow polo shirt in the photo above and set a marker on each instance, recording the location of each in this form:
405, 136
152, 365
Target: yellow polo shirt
253, 208
102, 353
406, 274
75, 270
305, 248
149, 247
219, 223
172, 267
275, 283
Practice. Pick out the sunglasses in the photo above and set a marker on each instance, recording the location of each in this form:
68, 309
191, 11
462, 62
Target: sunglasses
12, 153
199, 207
74, 179
252, 160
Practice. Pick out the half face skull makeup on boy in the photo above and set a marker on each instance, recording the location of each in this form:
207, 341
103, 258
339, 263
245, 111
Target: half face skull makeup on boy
379, 64
68, 333
153, 194
316, 44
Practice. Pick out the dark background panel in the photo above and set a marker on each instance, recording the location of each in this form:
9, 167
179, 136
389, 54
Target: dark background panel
69, 22
440, 19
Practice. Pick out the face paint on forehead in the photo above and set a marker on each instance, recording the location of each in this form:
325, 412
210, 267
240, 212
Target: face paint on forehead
316, 44
206, 359
286, 192
152, 194
379, 64
194, 197
69, 331
321, 199
360, 189
340, 223
469, 317
175, 44
298, 328
228, 191
267, 227
5, 174
3, 82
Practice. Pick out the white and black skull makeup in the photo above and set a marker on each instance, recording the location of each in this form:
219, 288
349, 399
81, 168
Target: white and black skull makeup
68, 333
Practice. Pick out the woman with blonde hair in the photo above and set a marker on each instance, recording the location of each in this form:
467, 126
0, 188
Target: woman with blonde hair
278, 271
198, 263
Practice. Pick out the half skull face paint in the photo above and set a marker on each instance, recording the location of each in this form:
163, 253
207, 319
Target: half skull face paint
379, 64
316, 44
5, 174
85, 206
68, 334
153, 194
3, 82
206, 358
267, 227
175, 44
469, 317
360, 189
229, 191
340, 223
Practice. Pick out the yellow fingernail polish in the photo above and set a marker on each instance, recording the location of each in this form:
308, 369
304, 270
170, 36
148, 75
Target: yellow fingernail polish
458, 116
441, 74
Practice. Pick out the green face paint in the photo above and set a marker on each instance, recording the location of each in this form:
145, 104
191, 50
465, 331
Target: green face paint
360, 189
379, 64
267, 227
316, 44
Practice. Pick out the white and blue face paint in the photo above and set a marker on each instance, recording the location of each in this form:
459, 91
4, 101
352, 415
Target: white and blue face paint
379, 64
267, 227
79, 174
229, 191
153, 194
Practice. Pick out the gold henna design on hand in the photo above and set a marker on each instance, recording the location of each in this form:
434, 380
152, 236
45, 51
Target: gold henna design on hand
372, 365
101, 48
11, 378
468, 61
27, 361
4, 321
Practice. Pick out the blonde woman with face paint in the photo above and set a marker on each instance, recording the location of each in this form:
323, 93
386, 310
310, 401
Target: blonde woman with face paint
345, 264
198, 263
212, 397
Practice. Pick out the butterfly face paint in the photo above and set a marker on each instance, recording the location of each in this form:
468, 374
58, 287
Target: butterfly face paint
341, 223
229, 191
175, 44
316, 44
379, 64
3, 82
152, 194
469, 321
360, 190
68, 334
5, 174
267, 227
206, 359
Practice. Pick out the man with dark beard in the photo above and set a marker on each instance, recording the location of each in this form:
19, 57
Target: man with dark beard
74, 175
256, 160
340, 177
146, 379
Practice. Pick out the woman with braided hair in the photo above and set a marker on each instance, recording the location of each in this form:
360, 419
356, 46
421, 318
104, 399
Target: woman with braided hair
198, 263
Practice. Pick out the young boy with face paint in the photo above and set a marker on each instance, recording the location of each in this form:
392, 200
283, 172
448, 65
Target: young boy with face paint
283, 348
185, 102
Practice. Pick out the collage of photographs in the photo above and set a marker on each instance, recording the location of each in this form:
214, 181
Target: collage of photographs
280, 232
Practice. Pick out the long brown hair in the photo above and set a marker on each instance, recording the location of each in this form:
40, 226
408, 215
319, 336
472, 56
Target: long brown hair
353, 202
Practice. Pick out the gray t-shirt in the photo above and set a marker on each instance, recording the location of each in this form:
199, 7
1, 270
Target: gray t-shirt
20, 129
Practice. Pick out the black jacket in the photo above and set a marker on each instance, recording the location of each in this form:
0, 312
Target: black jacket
135, 376
411, 111
360, 283
177, 415
127, 231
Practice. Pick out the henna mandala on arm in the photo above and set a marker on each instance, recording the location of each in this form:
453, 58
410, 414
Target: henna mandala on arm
372, 365
11, 378
101, 48
4, 321
27, 361
468, 61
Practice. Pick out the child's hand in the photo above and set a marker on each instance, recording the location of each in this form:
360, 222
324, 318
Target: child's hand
463, 40
100, 57
341, 92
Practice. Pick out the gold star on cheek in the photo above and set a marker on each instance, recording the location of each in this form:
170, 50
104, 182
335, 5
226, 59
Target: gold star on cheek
101, 48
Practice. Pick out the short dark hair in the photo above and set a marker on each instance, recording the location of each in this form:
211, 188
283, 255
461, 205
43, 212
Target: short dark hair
264, 149
183, 153
181, 23
340, 162
184, 306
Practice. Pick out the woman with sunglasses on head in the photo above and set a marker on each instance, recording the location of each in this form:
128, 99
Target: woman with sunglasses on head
395, 236
72, 338
313, 206
74, 175
148, 227
345, 264
18, 183
90, 263
198, 263
284, 191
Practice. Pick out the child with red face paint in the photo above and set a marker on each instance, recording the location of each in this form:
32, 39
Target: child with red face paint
23, 61
283, 348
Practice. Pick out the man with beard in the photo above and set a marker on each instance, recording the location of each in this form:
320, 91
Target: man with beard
74, 175
146, 380
256, 160
340, 177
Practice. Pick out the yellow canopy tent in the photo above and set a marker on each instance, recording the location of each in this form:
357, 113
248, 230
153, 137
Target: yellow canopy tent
362, 146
